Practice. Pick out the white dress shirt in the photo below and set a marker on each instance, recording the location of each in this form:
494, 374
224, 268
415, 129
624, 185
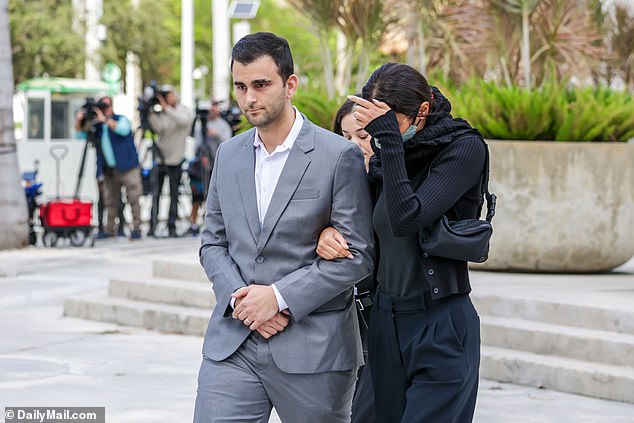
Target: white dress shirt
268, 168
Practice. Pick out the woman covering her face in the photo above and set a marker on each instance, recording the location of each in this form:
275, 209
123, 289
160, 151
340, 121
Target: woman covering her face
424, 332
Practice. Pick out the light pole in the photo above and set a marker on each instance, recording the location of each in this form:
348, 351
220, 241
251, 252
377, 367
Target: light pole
187, 52
91, 11
220, 50
239, 9
243, 10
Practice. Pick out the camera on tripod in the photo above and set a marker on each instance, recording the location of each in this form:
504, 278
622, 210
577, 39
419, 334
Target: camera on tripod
88, 109
88, 122
233, 115
149, 102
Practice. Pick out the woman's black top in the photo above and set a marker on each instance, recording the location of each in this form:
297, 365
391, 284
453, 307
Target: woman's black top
400, 271
408, 200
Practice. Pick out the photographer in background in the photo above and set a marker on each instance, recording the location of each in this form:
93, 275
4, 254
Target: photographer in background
218, 129
209, 132
117, 160
172, 125
85, 129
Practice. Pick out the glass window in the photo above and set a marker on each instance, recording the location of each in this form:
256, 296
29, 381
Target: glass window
35, 123
59, 120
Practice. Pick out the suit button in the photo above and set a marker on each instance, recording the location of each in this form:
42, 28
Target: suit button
425, 255
259, 259
430, 272
435, 290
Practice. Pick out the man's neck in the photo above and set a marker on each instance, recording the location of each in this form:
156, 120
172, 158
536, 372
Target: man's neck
274, 134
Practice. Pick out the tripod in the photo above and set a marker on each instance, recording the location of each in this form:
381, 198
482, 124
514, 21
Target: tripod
92, 139
150, 180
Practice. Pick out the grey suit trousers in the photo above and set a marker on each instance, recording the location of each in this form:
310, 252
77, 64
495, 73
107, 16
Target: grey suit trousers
244, 387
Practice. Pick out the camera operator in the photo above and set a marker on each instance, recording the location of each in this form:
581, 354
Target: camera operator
86, 131
117, 160
217, 130
172, 125
217, 126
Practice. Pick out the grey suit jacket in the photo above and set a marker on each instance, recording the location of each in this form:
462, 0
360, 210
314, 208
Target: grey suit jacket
323, 183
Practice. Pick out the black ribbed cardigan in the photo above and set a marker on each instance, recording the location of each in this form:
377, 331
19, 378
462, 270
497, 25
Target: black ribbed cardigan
452, 186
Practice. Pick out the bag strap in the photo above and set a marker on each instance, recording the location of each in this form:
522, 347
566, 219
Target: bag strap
491, 199
484, 190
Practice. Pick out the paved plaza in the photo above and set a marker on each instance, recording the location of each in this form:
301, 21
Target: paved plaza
47, 359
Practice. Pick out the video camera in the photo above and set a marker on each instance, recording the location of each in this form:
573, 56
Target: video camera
88, 122
232, 115
149, 102
88, 109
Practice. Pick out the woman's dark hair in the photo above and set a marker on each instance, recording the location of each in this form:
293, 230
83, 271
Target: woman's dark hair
400, 86
344, 110
253, 46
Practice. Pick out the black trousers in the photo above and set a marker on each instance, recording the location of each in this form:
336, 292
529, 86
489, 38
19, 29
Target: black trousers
363, 399
174, 175
425, 358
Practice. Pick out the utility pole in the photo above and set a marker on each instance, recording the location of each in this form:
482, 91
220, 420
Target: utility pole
187, 53
221, 53
91, 11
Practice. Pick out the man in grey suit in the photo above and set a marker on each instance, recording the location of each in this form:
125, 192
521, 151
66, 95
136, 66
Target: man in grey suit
284, 332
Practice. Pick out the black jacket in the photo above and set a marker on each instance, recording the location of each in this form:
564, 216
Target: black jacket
452, 186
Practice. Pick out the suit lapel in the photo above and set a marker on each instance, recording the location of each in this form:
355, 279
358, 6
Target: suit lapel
291, 175
246, 182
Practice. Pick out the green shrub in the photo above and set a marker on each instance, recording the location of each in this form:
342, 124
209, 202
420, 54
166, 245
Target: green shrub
551, 112
317, 108
597, 114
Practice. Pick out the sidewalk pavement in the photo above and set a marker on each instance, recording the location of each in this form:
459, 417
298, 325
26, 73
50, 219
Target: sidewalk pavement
141, 376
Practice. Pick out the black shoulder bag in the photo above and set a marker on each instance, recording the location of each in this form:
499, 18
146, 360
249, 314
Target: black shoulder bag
466, 240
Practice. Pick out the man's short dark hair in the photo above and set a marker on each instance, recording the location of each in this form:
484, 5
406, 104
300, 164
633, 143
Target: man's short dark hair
253, 46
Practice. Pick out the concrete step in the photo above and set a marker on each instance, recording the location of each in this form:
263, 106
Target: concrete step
187, 270
557, 373
160, 317
563, 341
164, 291
556, 312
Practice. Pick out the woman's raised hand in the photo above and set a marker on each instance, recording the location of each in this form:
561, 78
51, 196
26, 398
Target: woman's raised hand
366, 111
332, 245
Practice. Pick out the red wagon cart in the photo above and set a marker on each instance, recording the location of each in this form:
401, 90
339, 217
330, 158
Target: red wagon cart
66, 218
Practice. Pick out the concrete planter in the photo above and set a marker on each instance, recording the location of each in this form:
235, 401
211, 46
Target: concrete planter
563, 206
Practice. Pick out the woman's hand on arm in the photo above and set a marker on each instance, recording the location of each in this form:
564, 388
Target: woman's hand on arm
332, 245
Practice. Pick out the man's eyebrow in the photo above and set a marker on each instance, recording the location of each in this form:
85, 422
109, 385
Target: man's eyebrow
256, 81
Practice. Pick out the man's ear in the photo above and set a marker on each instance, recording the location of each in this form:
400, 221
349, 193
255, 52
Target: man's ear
291, 86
